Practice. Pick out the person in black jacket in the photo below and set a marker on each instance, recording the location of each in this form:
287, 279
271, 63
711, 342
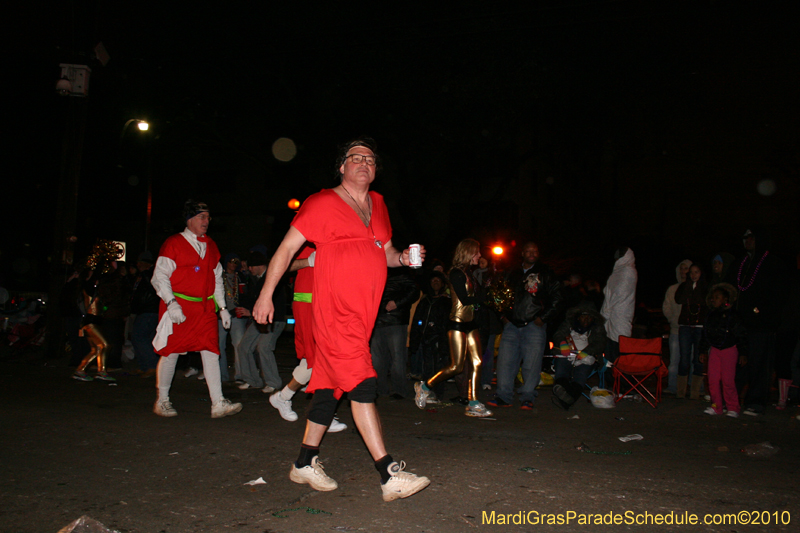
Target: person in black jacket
428, 342
724, 344
578, 343
537, 298
144, 304
388, 342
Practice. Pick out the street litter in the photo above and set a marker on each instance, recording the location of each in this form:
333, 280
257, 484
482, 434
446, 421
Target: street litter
259, 481
584, 448
528, 469
309, 510
487, 418
417, 423
628, 438
175, 453
86, 524
619, 418
762, 449
722, 449
573, 417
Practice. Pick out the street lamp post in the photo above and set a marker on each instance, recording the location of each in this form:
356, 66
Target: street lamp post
143, 126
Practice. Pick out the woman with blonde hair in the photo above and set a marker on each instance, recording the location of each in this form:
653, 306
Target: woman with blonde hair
462, 334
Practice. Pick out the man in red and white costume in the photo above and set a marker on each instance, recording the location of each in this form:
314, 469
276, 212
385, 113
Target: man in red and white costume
188, 279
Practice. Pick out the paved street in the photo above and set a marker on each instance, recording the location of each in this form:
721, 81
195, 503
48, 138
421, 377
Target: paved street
71, 449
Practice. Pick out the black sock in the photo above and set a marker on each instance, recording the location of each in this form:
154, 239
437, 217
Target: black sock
382, 465
307, 453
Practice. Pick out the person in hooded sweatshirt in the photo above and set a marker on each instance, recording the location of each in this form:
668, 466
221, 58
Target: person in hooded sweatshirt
672, 310
620, 300
721, 269
760, 278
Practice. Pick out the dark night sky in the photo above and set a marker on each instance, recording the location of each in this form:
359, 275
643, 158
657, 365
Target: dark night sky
579, 124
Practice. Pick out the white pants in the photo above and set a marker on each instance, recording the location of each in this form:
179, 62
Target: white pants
166, 371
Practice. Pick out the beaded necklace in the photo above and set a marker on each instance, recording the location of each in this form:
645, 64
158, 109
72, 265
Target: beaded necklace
231, 287
755, 272
364, 216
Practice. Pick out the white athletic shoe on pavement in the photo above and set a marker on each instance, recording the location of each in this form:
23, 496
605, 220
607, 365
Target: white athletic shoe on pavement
164, 408
402, 484
313, 475
284, 407
421, 395
224, 407
336, 426
191, 372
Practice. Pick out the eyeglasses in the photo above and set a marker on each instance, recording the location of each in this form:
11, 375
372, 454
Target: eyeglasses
357, 159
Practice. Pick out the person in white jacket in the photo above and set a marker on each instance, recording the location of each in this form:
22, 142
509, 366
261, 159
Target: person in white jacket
620, 300
671, 312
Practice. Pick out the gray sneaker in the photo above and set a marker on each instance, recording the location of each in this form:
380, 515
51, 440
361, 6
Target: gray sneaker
313, 475
164, 408
224, 407
421, 396
402, 484
478, 411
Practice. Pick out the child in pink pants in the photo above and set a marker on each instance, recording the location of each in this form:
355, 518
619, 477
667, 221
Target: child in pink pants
725, 342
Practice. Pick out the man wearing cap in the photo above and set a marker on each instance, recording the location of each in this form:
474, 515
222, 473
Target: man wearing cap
144, 304
188, 279
260, 338
232, 283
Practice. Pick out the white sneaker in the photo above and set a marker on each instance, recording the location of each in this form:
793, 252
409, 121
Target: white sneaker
478, 411
313, 475
201, 376
710, 411
432, 399
486, 387
268, 389
284, 407
421, 395
191, 372
336, 426
732, 414
402, 484
244, 386
224, 407
164, 408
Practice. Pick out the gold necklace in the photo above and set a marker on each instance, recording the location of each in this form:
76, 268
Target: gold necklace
378, 243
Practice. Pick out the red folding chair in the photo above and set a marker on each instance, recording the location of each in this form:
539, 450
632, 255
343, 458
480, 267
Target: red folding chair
639, 359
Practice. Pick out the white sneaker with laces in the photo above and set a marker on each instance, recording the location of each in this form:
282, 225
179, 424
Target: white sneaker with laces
732, 414
164, 408
421, 395
284, 407
224, 407
336, 426
191, 372
244, 386
313, 475
478, 411
402, 484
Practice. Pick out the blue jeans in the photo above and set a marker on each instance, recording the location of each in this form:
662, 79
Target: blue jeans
689, 339
238, 325
389, 358
577, 374
487, 366
674, 359
144, 331
263, 343
520, 347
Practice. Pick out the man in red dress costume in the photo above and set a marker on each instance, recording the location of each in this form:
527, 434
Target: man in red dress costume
349, 225
188, 279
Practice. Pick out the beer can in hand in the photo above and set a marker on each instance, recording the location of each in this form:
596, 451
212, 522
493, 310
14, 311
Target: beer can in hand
414, 258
